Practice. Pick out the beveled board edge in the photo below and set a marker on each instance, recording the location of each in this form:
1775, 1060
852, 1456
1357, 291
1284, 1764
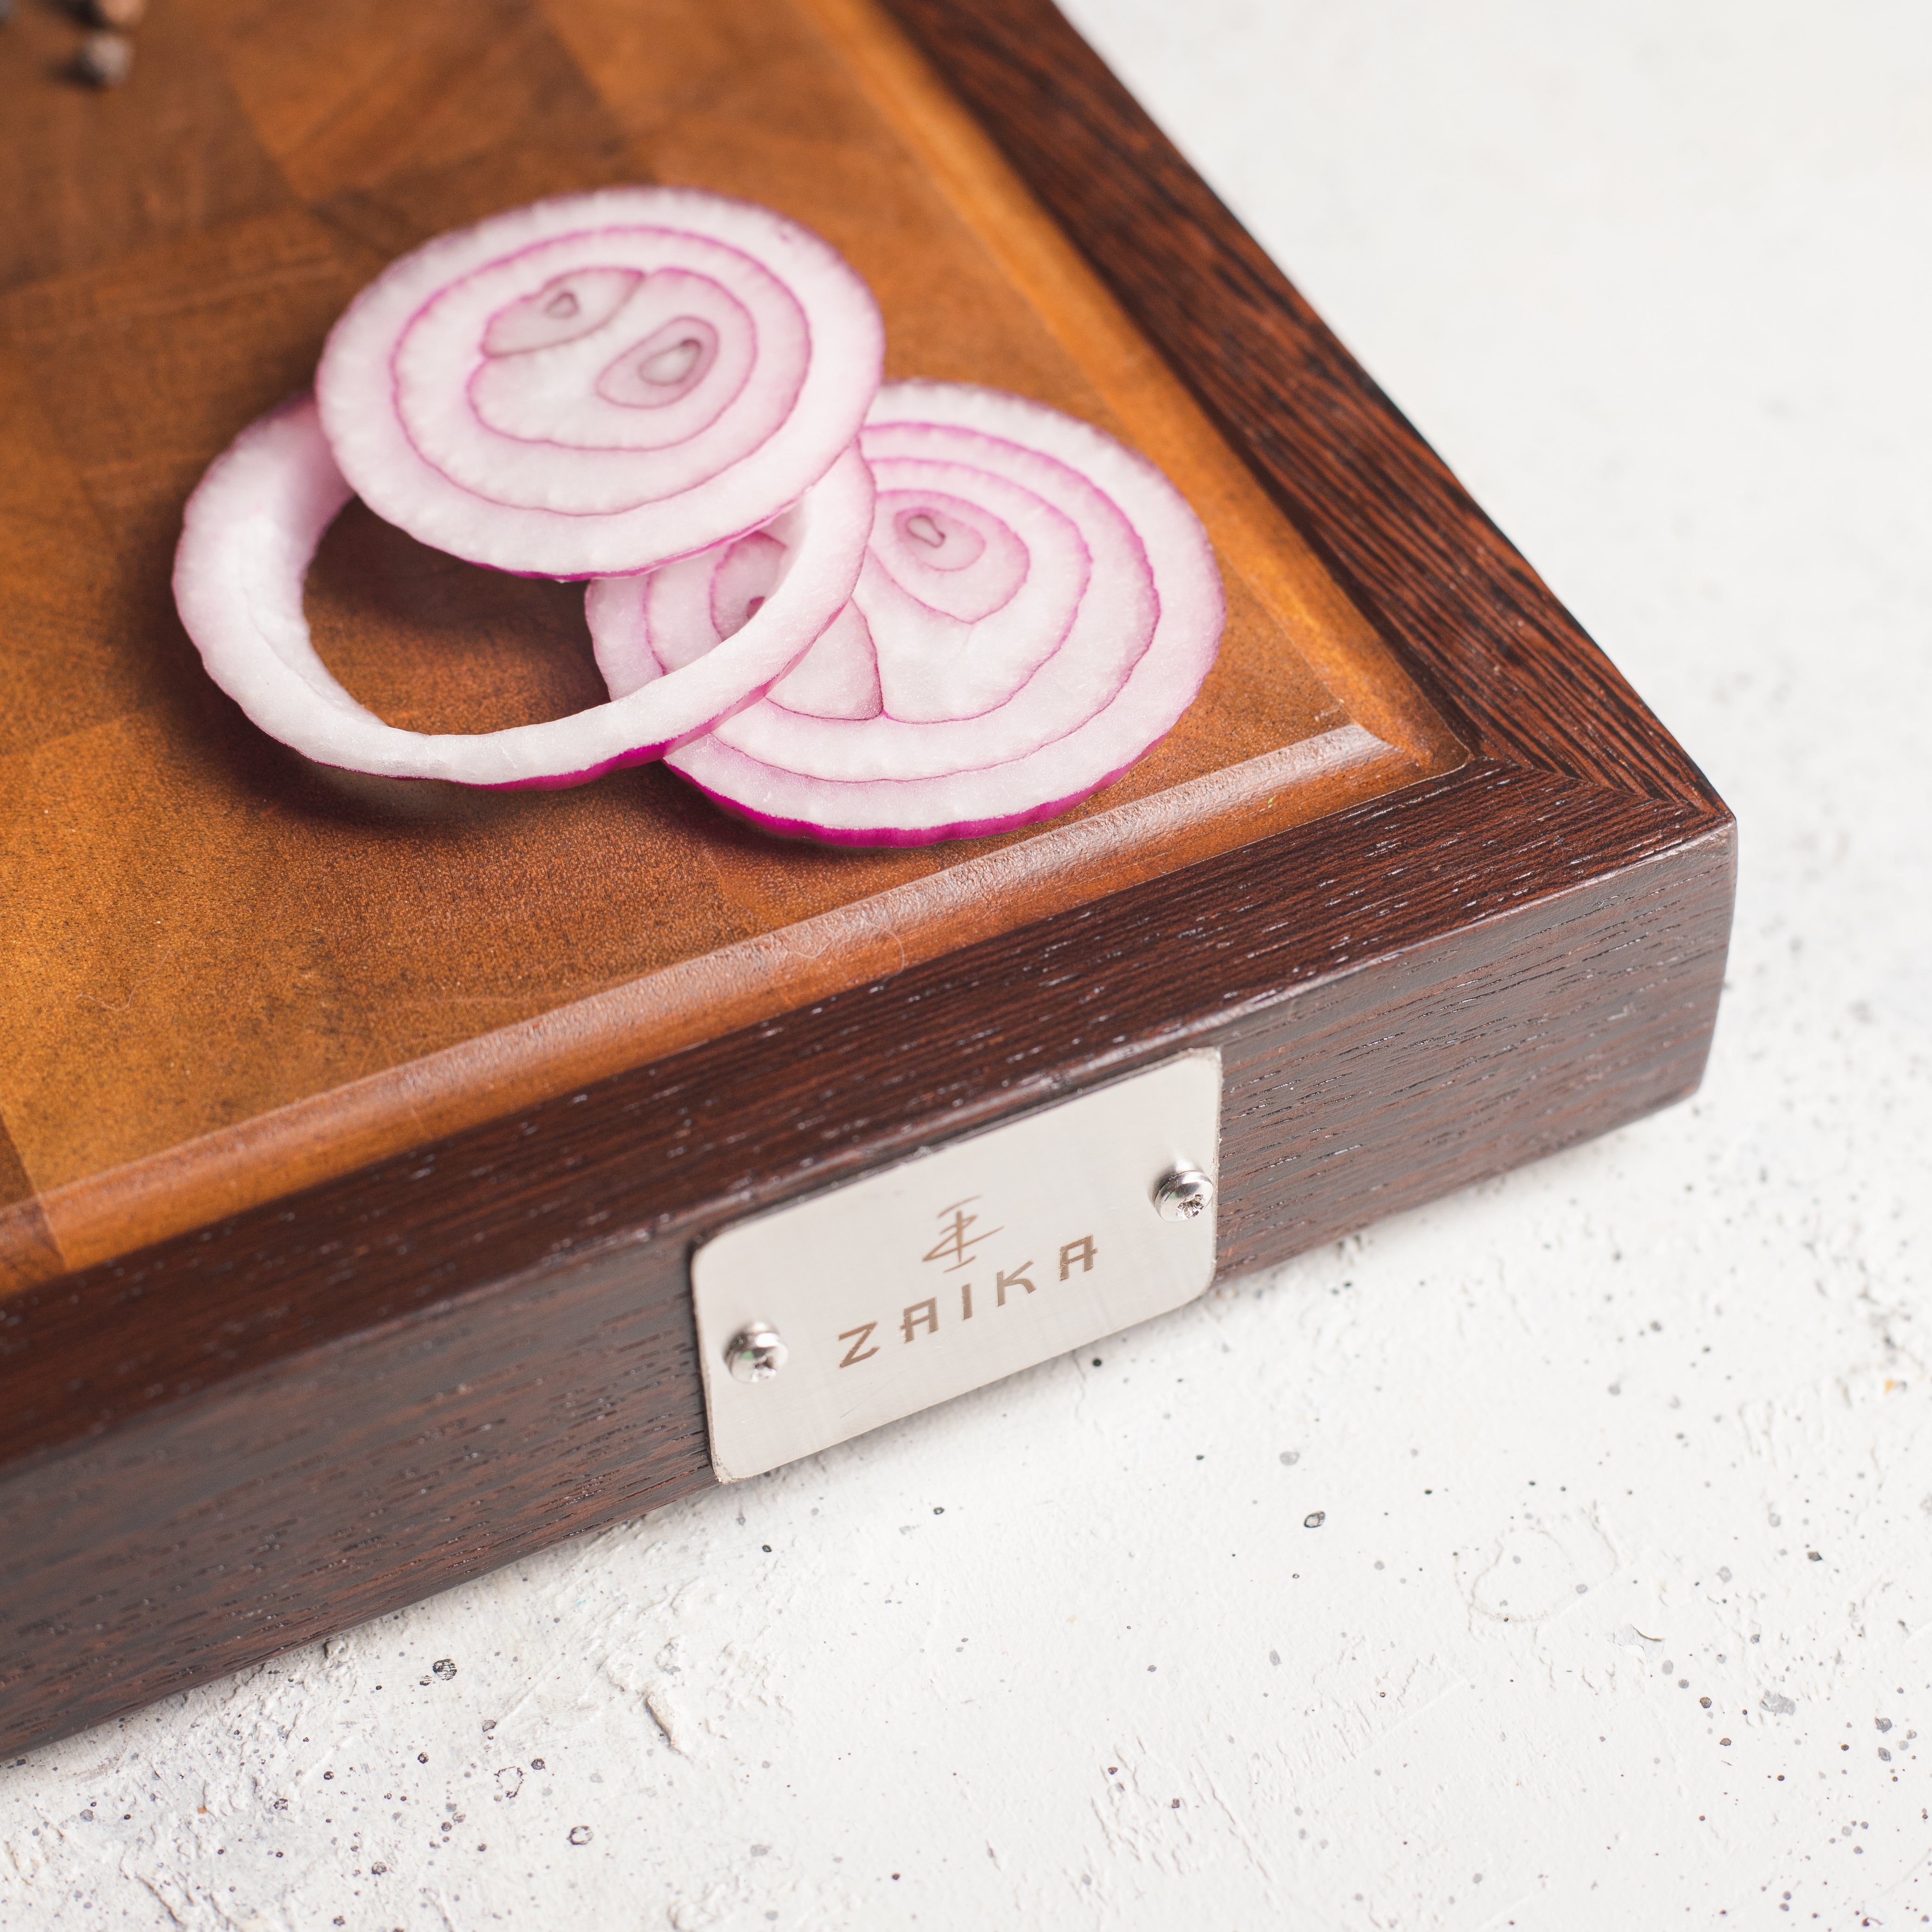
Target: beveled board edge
295, 1430
803, 1099
312, 1140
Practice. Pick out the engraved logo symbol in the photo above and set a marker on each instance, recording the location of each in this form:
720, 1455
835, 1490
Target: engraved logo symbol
956, 1241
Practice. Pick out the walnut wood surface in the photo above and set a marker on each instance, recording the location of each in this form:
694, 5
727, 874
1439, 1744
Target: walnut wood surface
225, 974
326, 1405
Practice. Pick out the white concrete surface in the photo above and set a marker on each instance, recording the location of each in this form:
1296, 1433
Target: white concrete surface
1648, 1425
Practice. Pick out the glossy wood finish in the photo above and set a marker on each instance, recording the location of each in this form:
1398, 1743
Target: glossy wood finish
326, 1404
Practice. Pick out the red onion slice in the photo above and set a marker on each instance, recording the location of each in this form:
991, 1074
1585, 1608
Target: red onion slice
1038, 607
252, 527
591, 386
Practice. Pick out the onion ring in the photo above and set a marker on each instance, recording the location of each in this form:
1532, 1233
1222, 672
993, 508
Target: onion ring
1039, 606
252, 527
594, 385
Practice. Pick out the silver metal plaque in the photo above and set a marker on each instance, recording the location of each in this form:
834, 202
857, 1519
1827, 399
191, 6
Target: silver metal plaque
829, 1316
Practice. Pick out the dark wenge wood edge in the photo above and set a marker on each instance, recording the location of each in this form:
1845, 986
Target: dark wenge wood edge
1380, 1089
317, 1492
312, 1493
1513, 672
801, 1099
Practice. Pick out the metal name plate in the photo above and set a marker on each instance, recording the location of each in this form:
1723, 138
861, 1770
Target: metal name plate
829, 1316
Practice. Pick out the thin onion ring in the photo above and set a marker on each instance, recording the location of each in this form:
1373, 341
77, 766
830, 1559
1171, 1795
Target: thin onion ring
251, 529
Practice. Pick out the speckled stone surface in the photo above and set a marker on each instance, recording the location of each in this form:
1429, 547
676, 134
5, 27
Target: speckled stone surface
1560, 1556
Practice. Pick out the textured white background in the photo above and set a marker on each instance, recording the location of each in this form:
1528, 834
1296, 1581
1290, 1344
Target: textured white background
1654, 276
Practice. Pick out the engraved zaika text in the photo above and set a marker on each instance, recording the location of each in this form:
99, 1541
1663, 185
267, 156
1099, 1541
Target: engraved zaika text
955, 1253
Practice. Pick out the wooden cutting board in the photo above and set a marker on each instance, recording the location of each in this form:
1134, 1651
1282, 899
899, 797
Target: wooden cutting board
225, 973
354, 1138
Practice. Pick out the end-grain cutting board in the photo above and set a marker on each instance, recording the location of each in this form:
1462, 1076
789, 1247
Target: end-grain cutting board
354, 1137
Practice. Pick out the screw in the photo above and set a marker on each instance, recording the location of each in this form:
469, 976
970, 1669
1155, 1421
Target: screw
756, 1353
1184, 1195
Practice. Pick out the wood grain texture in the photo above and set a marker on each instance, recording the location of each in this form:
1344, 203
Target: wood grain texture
323, 1405
439, 1092
227, 974
61, 211
326, 1407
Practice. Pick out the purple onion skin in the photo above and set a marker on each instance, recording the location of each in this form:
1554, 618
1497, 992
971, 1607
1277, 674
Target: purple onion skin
563, 780
901, 837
